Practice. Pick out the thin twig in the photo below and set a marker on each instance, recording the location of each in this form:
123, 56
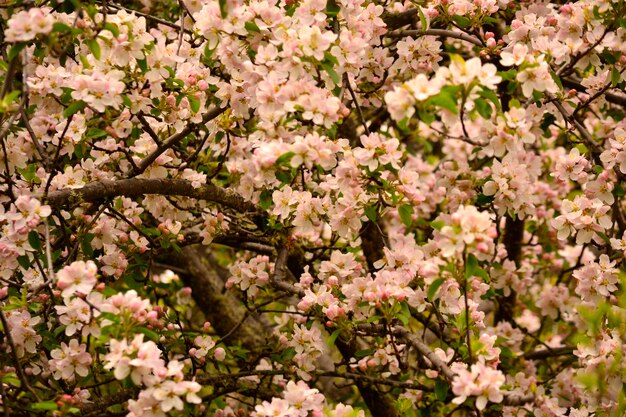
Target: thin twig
346, 82
18, 365
174, 139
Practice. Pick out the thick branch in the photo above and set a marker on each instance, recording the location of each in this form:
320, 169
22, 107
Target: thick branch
513, 236
100, 404
436, 32
397, 20
222, 308
136, 187
372, 243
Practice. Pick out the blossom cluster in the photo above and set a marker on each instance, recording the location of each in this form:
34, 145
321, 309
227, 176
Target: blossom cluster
313, 208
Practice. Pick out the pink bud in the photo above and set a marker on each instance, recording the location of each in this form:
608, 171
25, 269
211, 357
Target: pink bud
219, 354
482, 247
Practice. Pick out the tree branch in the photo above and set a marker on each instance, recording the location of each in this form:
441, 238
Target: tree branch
102, 403
436, 32
620, 100
137, 187
397, 20
174, 139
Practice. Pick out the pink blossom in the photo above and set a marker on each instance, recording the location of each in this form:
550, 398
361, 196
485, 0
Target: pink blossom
77, 278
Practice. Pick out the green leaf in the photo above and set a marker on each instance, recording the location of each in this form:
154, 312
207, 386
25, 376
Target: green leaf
331, 339
94, 47
491, 96
363, 353
285, 158
437, 224
33, 240
12, 379
44, 406
24, 261
471, 266
265, 201
505, 352
194, 103
609, 57
142, 64
85, 244
252, 27
371, 212
444, 100
15, 50
284, 176
547, 121
462, 21
483, 200
58, 331
29, 173
508, 75
432, 289
332, 8
74, 108
94, 132
441, 389
403, 124
423, 20
615, 77
11, 97
112, 28
127, 101
223, 9
406, 214
556, 79
405, 314
425, 116
152, 335
328, 67
483, 108
63, 28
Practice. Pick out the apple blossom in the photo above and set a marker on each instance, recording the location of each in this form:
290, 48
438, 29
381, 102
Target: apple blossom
313, 208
